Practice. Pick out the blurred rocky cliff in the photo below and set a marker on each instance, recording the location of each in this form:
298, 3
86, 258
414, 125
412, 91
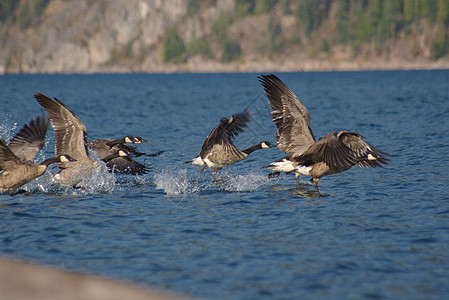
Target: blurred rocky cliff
50, 36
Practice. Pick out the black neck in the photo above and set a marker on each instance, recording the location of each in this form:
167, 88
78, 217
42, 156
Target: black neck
253, 148
110, 157
49, 161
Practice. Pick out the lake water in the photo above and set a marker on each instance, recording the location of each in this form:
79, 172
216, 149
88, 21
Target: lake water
378, 233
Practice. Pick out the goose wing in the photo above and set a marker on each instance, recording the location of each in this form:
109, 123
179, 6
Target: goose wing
294, 134
226, 129
30, 139
100, 147
365, 154
70, 131
331, 150
8, 160
126, 165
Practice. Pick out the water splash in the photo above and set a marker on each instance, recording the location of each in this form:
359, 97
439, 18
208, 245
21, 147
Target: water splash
242, 183
175, 183
101, 181
180, 182
6, 132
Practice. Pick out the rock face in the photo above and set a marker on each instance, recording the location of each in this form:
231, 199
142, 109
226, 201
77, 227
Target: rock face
131, 36
102, 35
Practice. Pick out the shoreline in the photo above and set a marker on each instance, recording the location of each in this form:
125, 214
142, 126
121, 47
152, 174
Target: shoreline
209, 67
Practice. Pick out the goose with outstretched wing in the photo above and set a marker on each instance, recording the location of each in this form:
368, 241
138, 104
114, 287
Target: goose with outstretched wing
219, 151
336, 152
17, 165
70, 139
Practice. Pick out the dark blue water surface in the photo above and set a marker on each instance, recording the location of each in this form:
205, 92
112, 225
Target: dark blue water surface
378, 233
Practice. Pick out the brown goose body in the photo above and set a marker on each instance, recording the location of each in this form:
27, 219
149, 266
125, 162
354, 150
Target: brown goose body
70, 139
16, 159
334, 153
218, 150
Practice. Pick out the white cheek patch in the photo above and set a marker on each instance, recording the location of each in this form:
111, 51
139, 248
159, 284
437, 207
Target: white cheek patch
370, 157
303, 170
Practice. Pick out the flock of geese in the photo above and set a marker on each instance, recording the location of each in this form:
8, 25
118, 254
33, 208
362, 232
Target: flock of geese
335, 152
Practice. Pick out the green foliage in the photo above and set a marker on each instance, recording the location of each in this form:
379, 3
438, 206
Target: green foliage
427, 9
325, 46
24, 16
244, 8
39, 7
443, 12
173, 48
231, 51
285, 6
276, 40
7, 8
343, 23
439, 46
199, 47
24, 13
193, 6
312, 13
410, 10
390, 19
220, 26
264, 6
274, 29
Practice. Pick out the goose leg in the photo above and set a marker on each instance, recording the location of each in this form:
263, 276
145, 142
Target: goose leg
315, 181
297, 175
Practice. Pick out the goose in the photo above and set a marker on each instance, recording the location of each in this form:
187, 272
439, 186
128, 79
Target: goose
106, 146
218, 150
119, 153
70, 139
123, 165
16, 159
336, 152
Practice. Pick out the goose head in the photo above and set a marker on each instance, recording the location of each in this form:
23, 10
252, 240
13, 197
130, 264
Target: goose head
66, 158
134, 140
122, 153
265, 145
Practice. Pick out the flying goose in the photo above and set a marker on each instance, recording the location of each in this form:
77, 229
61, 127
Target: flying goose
218, 150
123, 165
103, 147
335, 152
16, 159
70, 138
